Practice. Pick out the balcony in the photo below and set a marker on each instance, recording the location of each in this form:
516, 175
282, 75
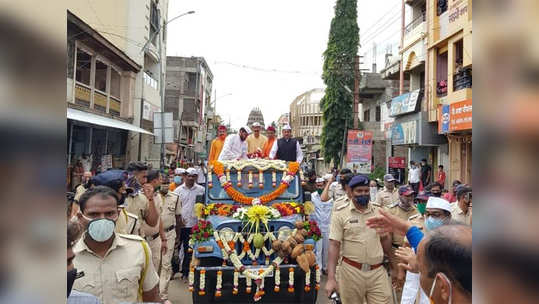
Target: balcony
462, 79
415, 31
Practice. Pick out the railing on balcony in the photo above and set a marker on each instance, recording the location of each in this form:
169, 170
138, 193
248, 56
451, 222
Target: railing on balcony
412, 25
462, 79
441, 88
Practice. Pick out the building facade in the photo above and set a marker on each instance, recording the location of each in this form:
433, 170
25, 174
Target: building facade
106, 72
188, 95
449, 84
306, 123
282, 121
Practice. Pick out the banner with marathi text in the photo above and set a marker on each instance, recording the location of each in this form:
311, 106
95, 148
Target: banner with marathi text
359, 150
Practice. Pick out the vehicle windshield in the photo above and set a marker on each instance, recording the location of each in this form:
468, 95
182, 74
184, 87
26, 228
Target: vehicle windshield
218, 193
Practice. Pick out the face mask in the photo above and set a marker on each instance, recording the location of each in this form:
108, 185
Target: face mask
362, 200
434, 284
71, 276
177, 179
421, 207
319, 191
100, 229
121, 201
433, 223
437, 194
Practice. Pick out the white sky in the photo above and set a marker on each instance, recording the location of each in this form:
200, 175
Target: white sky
285, 35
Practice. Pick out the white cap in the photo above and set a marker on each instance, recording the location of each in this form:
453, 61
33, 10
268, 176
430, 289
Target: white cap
191, 171
287, 127
179, 171
247, 129
438, 203
256, 124
320, 180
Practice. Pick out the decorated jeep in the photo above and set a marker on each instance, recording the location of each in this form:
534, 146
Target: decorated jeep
252, 241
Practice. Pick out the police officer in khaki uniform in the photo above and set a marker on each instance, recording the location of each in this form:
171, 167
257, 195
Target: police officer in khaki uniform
155, 235
170, 217
361, 274
403, 209
461, 211
389, 194
141, 200
117, 267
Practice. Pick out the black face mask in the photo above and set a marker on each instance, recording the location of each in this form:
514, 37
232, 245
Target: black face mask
362, 200
436, 194
121, 201
71, 276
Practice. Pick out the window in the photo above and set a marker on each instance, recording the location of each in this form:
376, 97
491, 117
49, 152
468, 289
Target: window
463, 76
442, 7
459, 48
378, 113
101, 76
441, 74
115, 82
154, 21
366, 115
84, 67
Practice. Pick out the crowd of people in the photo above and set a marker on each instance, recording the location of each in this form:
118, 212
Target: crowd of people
129, 230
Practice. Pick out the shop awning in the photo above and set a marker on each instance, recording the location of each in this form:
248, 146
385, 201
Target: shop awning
103, 121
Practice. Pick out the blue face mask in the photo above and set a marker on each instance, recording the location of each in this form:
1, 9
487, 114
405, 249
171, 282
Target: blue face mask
432, 223
177, 179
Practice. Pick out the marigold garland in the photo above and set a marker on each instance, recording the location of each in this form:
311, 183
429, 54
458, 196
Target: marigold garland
237, 196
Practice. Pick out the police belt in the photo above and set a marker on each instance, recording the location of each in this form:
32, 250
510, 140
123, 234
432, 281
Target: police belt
153, 237
361, 266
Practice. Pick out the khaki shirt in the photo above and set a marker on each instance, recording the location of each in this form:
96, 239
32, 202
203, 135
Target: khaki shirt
458, 215
385, 197
254, 143
170, 209
147, 230
127, 223
114, 278
416, 220
358, 242
395, 209
138, 204
336, 191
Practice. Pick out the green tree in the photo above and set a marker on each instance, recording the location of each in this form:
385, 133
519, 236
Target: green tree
338, 71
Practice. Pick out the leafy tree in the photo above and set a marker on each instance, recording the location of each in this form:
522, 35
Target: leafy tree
338, 71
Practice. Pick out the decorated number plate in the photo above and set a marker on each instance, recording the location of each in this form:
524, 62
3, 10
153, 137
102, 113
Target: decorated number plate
254, 271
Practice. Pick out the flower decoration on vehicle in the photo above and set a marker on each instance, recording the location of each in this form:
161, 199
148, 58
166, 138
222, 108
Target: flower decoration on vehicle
239, 197
288, 208
313, 231
202, 211
202, 231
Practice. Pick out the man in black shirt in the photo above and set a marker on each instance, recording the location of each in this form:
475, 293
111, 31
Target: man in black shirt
426, 172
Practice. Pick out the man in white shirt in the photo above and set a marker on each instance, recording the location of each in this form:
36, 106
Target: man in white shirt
414, 173
235, 146
322, 216
287, 148
201, 174
188, 193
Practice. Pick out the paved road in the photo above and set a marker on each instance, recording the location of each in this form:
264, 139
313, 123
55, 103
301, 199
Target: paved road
179, 292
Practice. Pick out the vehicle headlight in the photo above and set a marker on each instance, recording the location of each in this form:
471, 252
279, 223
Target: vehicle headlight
284, 233
227, 234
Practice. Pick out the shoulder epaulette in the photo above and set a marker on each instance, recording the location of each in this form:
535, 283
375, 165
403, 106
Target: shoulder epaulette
133, 237
376, 204
131, 215
395, 204
342, 206
413, 216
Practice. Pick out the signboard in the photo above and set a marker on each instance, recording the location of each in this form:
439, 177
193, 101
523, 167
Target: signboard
405, 103
163, 133
455, 117
404, 133
359, 150
148, 110
397, 162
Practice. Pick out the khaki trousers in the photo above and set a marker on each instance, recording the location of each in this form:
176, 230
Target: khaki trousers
166, 265
155, 247
372, 285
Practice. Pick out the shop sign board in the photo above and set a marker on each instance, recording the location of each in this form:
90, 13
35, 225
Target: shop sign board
404, 133
455, 117
359, 150
405, 103
397, 162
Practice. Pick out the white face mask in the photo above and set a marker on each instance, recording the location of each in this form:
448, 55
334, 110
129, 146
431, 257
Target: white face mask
101, 229
434, 284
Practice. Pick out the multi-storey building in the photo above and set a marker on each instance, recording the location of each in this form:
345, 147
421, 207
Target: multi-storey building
112, 82
449, 81
283, 120
188, 96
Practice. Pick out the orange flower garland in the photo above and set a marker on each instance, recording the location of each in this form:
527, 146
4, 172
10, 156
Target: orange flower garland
237, 196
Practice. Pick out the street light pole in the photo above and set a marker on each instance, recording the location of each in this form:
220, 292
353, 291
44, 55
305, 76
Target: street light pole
161, 81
